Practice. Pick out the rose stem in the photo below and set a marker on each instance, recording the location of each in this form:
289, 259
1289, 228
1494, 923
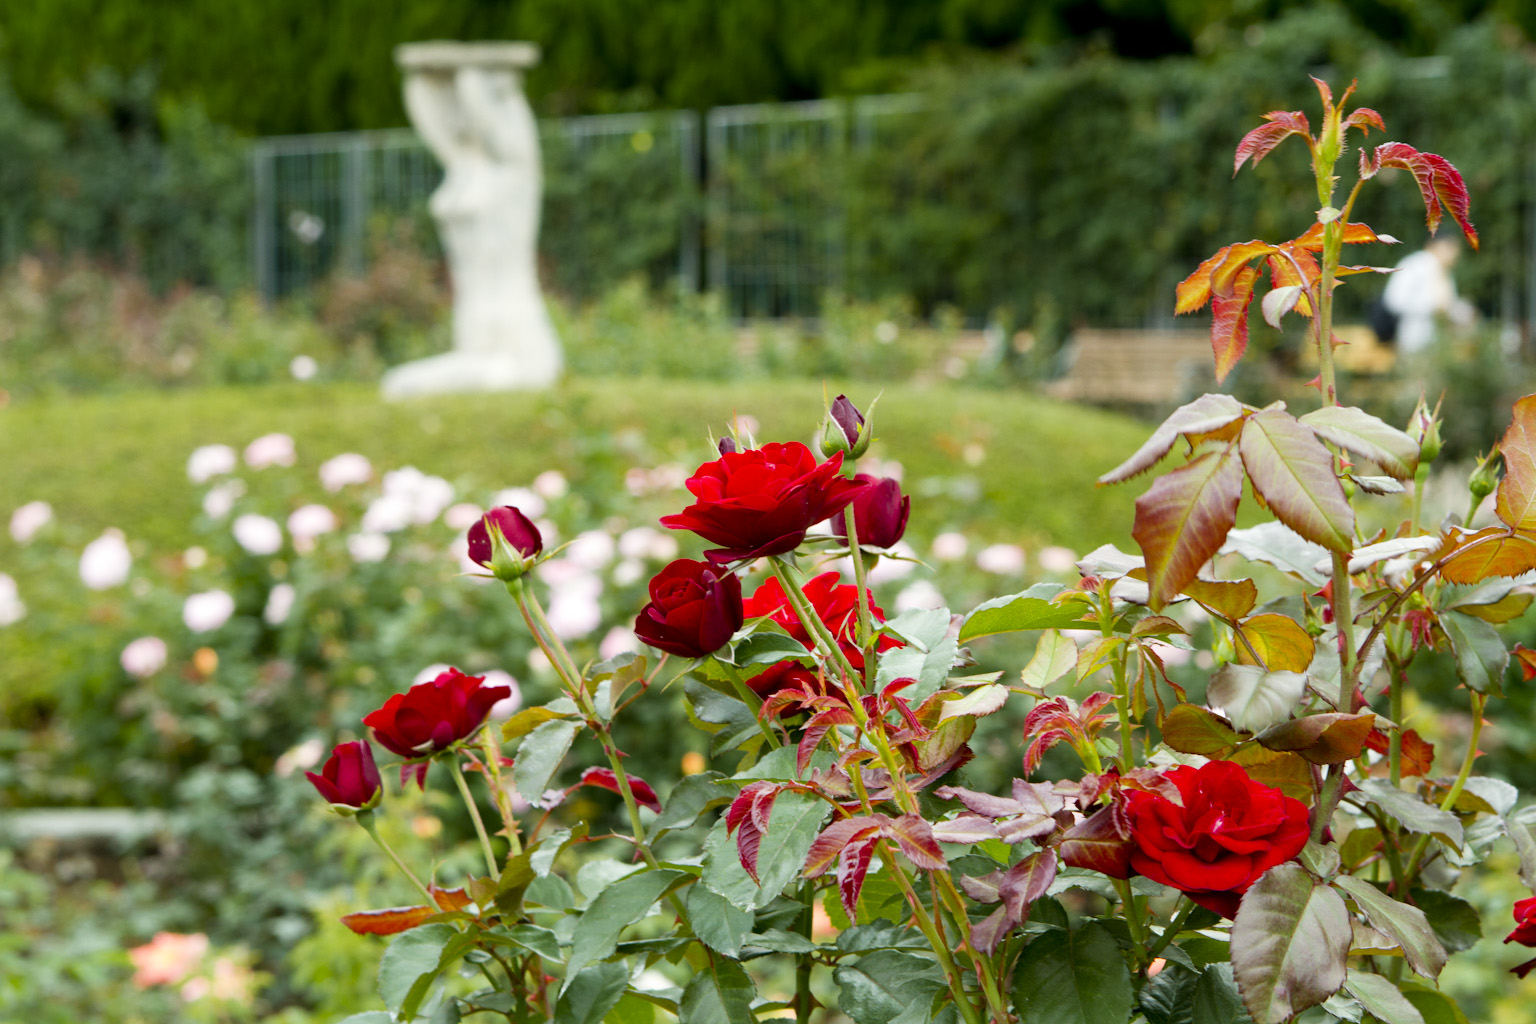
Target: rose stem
474, 812
365, 819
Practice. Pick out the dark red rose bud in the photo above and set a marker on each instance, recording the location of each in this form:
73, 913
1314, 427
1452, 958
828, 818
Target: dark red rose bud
761, 501
431, 717
349, 780
844, 430
1229, 831
506, 542
727, 445
879, 513
695, 609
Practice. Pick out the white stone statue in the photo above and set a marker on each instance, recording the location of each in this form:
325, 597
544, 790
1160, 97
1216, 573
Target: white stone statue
466, 100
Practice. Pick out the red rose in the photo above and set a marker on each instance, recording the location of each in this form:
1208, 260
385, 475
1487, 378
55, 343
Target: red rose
761, 501
1228, 833
433, 716
836, 604
349, 780
879, 513
1525, 932
695, 608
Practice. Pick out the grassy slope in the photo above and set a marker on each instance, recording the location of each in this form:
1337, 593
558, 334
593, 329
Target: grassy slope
120, 460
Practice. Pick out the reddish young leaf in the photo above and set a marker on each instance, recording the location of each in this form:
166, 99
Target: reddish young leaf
1226, 275
852, 866
1516, 496
826, 847
1526, 659
1365, 119
1184, 517
1439, 183
1257, 143
1060, 718
815, 728
1293, 473
1355, 233
604, 778
915, 837
1026, 882
1194, 291
1229, 322
1100, 842
1417, 755
390, 921
449, 899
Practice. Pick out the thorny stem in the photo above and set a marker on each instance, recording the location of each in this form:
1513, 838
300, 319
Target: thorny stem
1133, 919
474, 813
806, 612
861, 579
1479, 702
930, 932
365, 819
499, 793
1172, 931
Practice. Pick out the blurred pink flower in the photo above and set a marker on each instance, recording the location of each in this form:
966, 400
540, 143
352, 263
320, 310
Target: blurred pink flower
1057, 559
303, 367
424, 497
270, 450
221, 498
279, 604
303, 756
207, 611
948, 547
209, 461
462, 516
258, 534
308, 522
648, 543
167, 958
28, 519
573, 608
921, 594
144, 657
1001, 559
344, 469
12, 609
105, 561
368, 547
522, 499
550, 484
591, 549
507, 706
617, 641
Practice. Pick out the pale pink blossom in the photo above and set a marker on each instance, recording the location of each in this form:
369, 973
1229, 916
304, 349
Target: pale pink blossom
617, 641
344, 469
645, 542
462, 516
207, 611
1057, 559
220, 499
209, 461
388, 513
12, 608
303, 367
538, 662
521, 498
167, 958
144, 657
105, 562
550, 485
307, 522
628, 571
258, 534
299, 758
508, 705
194, 557
423, 497
1001, 559
573, 608
28, 519
368, 547
279, 604
949, 547
921, 594
270, 450
888, 570
591, 549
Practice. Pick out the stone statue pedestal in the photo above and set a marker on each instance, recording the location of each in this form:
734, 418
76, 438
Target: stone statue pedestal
466, 100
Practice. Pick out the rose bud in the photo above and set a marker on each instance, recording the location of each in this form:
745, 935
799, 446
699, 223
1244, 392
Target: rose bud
844, 430
432, 716
505, 542
761, 501
1525, 932
349, 780
695, 609
1229, 831
879, 513
727, 445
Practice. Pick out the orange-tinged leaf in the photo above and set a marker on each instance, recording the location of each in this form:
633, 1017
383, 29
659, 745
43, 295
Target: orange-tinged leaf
1257, 143
1194, 291
1286, 771
389, 921
1183, 519
1508, 555
1229, 322
1417, 754
1354, 234
1328, 738
1325, 92
1365, 119
450, 899
1516, 500
1293, 473
1204, 415
1224, 278
1280, 642
1231, 598
1439, 183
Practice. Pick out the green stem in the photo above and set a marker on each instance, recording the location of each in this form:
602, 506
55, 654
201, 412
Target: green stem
806, 612
985, 969
861, 580
1479, 702
499, 792
750, 699
803, 961
365, 819
930, 931
474, 813
528, 606
1395, 710
1327, 801
1171, 932
1133, 920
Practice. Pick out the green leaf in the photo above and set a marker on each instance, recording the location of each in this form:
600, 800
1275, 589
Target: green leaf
1073, 977
413, 957
977, 702
1032, 609
1435, 1007
718, 922
631, 1009
1382, 999
692, 795
768, 647
1412, 813
588, 995
530, 937
1216, 998
1055, 655
881, 934
720, 993
617, 907
734, 722
1183, 519
1293, 473
1202, 416
1169, 997
792, 827
1289, 944
542, 857
1254, 699
777, 940
1362, 434
540, 755
1278, 545
1191, 729
369, 1017
888, 986
1406, 924
1480, 653
925, 627
1455, 921
527, 720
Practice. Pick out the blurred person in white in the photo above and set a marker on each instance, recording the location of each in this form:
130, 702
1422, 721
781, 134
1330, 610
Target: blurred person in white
1421, 294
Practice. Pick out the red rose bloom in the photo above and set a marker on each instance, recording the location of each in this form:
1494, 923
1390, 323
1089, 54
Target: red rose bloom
695, 608
1525, 932
516, 529
349, 780
879, 513
1228, 833
836, 604
761, 501
433, 716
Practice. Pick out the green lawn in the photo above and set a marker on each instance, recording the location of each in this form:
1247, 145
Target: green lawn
999, 464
